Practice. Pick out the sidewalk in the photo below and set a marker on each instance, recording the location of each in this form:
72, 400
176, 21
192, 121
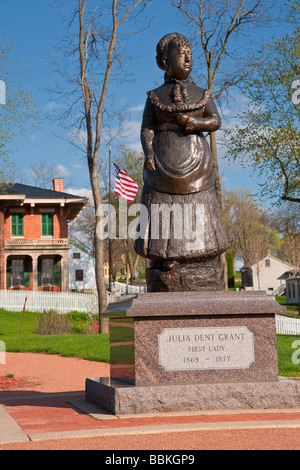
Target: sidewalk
37, 417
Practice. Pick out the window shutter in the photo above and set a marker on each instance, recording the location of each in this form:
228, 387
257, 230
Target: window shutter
47, 224
20, 225
57, 270
44, 225
50, 225
8, 273
27, 272
17, 225
13, 225
39, 272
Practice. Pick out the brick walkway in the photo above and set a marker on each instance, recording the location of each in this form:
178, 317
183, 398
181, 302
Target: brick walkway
56, 413
50, 411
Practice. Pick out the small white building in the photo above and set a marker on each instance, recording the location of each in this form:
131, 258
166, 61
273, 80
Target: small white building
81, 268
269, 274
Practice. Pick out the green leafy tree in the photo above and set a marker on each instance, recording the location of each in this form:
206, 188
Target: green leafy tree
268, 135
230, 267
247, 227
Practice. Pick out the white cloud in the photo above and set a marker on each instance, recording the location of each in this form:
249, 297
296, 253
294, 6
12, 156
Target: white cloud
136, 147
52, 105
132, 130
61, 171
78, 166
83, 192
136, 109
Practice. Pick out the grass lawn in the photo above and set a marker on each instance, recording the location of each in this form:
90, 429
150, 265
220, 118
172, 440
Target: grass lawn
86, 346
95, 347
292, 310
288, 348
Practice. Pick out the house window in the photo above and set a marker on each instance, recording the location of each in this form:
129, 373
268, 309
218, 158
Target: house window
18, 272
79, 275
17, 225
49, 272
47, 224
76, 255
267, 263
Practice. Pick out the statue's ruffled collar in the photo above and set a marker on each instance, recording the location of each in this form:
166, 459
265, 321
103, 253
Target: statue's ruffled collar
177, 100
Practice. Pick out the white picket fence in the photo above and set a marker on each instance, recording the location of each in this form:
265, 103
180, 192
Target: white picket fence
122, 289
287, 325
62, 302
65, 302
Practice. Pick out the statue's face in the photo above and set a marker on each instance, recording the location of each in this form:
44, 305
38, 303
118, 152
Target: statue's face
179, 62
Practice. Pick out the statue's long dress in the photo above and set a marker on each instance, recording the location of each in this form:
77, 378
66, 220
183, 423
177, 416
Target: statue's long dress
183, 179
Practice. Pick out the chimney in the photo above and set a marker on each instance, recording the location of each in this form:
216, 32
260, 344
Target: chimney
58, 184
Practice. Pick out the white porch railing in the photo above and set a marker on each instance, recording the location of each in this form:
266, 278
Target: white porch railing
20, 242
287, 325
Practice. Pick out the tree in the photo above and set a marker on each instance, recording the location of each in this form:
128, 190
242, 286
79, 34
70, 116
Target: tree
230, 267
268, 136
290, 250
42, 174
16, 108
100, 37
286, 220
246, 226
132, 163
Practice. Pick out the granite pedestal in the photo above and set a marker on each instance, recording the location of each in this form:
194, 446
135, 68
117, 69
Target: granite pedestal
202, 350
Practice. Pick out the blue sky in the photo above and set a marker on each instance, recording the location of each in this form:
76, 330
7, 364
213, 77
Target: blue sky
38, 27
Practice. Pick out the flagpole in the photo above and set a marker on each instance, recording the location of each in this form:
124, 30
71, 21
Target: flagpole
109, 230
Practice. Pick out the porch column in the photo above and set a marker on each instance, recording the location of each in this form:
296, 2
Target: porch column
34, 272
64, 272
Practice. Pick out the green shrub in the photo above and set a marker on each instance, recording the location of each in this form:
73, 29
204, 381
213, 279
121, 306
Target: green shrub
77, 316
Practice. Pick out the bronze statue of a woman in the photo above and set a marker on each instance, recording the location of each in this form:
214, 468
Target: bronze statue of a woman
184, 234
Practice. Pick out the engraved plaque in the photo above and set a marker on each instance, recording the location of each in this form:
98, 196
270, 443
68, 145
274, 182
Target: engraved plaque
206, 348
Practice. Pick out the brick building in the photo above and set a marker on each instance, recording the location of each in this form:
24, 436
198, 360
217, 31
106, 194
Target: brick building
34, 236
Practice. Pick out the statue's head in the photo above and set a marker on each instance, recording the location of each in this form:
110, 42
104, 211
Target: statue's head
174, 55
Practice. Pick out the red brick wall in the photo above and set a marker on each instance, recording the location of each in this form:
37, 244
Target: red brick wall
33, 223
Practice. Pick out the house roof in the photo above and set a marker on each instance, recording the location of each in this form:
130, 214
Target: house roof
80, 246
276, 259
16, 194
34, 192
292, 278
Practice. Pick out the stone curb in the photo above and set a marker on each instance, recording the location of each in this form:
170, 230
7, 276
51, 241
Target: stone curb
165, 429
10, 431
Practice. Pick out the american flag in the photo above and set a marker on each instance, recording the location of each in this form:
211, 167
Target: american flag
125, 187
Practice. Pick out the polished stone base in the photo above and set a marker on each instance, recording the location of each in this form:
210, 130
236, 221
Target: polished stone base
120, 397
